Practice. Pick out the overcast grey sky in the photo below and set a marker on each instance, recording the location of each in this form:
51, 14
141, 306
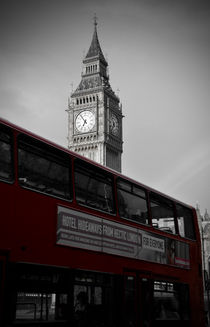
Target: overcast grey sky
159, 58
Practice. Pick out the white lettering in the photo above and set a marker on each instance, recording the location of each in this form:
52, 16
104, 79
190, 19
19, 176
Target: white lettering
120, 234
108, 231
69, 222
87, 226
153, 243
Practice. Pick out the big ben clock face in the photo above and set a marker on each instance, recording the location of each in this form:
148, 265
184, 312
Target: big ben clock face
85, 121
114, 125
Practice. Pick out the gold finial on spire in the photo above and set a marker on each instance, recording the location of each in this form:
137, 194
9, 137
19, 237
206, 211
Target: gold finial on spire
95, 19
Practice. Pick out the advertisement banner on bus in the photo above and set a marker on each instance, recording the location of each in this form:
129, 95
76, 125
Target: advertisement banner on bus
80, 230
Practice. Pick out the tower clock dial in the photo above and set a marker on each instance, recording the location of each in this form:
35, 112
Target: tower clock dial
114, 125
85, 121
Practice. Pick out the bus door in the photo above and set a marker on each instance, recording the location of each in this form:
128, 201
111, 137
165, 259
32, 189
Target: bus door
130, 300
137, 306
145, 287
150, 302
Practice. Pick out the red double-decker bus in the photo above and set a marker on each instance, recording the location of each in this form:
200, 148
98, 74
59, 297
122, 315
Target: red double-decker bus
81, 245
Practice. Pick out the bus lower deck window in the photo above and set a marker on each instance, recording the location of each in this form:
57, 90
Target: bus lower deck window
171, 301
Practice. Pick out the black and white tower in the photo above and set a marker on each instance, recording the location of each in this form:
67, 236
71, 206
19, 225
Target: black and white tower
95, 113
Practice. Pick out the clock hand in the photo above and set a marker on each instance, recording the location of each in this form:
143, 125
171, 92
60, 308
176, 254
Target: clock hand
82, 118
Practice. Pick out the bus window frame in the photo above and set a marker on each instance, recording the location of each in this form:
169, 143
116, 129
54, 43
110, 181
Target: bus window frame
171, 206
43, 146
184, 207
104, 172
7, 130
146, 199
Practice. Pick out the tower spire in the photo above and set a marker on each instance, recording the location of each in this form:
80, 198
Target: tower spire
95, 20
95, 48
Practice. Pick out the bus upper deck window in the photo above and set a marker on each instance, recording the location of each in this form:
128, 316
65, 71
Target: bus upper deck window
43, 168
132, 201
162, 213
6, 158
185, 222
93, 187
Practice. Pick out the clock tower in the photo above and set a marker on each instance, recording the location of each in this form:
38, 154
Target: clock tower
95, 113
